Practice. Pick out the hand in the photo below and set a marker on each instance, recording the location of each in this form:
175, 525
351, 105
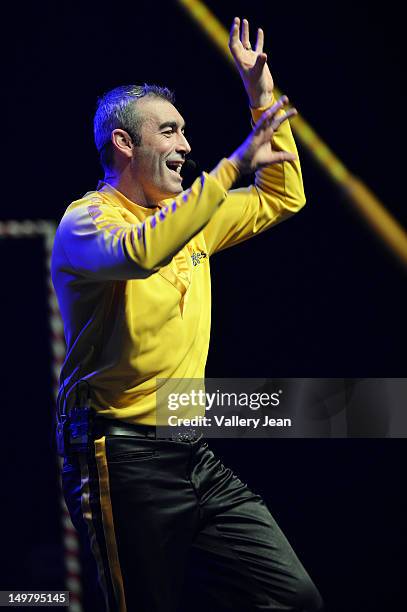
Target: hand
252, 64
257, 150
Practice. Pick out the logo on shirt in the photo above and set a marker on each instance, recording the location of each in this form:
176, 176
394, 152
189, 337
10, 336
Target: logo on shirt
196, 256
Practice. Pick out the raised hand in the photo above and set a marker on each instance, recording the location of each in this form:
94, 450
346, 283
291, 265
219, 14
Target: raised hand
251, 63
257, 149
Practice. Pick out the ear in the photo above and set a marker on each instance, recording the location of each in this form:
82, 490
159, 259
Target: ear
122, 143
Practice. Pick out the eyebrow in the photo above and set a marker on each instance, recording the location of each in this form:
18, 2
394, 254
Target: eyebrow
171, 124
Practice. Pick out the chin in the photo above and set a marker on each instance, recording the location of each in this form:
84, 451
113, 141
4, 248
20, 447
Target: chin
172, 193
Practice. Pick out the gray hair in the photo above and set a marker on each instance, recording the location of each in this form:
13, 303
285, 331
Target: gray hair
116, 109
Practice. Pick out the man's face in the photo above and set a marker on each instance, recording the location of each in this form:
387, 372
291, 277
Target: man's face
157, 162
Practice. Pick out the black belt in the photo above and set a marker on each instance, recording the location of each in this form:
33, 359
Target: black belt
110, 427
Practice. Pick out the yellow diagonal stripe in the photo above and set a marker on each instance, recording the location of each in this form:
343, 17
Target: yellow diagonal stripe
364, 200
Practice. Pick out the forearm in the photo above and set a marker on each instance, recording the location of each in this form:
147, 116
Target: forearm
281, 181
100, 244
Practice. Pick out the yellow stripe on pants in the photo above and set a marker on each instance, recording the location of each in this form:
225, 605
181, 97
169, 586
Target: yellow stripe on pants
108, 525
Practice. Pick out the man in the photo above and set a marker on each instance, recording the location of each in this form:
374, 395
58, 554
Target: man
137, 309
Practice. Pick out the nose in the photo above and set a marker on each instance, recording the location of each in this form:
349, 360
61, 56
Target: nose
183, 144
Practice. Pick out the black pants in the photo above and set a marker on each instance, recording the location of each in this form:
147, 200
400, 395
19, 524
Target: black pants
149, 507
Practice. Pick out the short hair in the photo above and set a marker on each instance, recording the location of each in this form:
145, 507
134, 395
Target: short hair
117, 109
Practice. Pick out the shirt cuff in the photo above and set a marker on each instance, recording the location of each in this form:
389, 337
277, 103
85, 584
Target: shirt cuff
226, 173
257, 112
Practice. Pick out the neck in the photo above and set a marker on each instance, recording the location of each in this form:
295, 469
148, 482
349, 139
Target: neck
123, 182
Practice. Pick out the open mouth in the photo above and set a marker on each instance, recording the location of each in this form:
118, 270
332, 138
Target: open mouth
175, 166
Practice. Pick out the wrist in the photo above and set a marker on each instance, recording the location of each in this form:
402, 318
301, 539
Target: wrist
236, 162
261, 101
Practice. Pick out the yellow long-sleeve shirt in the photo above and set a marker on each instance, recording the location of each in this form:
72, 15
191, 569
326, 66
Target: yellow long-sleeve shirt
133, 283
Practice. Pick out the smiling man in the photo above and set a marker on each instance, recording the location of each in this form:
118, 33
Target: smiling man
131, 270
151, 172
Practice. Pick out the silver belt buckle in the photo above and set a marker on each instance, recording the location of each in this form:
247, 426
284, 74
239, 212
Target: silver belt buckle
189, 435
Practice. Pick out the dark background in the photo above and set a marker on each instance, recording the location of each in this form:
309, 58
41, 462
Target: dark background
316, 297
